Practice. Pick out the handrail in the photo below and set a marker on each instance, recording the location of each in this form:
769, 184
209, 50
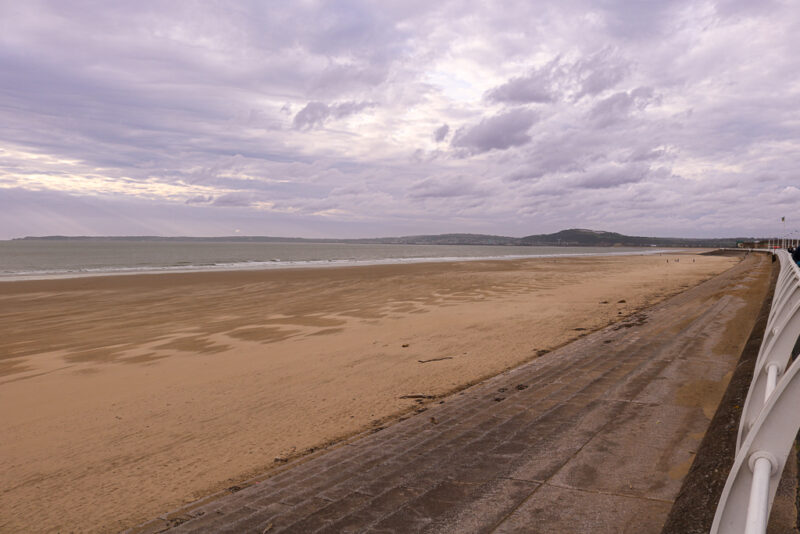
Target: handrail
770, 417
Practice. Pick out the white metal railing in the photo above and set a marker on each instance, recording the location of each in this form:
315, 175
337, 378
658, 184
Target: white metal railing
770, 418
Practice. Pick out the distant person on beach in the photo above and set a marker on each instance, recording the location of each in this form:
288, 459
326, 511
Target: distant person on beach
796, 255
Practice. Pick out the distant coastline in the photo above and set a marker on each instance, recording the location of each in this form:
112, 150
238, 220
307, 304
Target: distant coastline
574, 237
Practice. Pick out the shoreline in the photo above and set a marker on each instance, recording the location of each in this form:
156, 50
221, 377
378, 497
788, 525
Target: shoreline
146, 392
312, 264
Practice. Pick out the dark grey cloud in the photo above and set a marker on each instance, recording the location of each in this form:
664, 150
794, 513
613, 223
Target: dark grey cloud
440, 133
498, 132
618, 106
587, 76
444, 187
613, 176
234, 200
599, 72
200, 199
646, 153
535, 87
315, 114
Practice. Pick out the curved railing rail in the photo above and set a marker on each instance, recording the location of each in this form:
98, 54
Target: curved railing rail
770, 418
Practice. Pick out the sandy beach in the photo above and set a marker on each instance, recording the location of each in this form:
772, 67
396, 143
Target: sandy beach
125, 397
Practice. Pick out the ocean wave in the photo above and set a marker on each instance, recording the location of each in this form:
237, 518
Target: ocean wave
254, 265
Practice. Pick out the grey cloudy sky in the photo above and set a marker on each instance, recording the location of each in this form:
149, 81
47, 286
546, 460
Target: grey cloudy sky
355, 119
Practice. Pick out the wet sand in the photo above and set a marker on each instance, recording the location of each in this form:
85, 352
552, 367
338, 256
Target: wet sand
124, 397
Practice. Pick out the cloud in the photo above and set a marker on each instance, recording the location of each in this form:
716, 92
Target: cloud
404, 117
498, 132
587, 76
639, 21
440, 133
200, 199
314, 114
617, 106
459, 186
533, 88
646, 154
234, 200
613, 176
599, 72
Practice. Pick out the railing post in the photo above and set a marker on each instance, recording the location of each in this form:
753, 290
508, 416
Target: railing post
763, 465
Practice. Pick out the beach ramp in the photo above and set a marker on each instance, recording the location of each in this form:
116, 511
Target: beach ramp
596, 436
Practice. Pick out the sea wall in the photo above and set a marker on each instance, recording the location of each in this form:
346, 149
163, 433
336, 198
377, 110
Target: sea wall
695, 506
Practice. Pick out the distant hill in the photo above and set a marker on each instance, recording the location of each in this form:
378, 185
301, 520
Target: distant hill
575, 237
593, 238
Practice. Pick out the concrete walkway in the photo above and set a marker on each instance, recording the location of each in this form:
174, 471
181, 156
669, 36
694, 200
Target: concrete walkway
593, 437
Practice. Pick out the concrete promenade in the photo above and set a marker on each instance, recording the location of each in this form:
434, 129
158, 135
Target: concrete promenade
593, 437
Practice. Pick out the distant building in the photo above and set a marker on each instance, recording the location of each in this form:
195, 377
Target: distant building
761, 243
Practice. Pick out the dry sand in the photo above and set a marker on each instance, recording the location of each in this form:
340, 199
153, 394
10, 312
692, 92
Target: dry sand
125, 397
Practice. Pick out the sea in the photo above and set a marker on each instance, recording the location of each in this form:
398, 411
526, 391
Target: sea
43, 259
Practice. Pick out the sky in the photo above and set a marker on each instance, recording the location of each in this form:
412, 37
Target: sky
366, 119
